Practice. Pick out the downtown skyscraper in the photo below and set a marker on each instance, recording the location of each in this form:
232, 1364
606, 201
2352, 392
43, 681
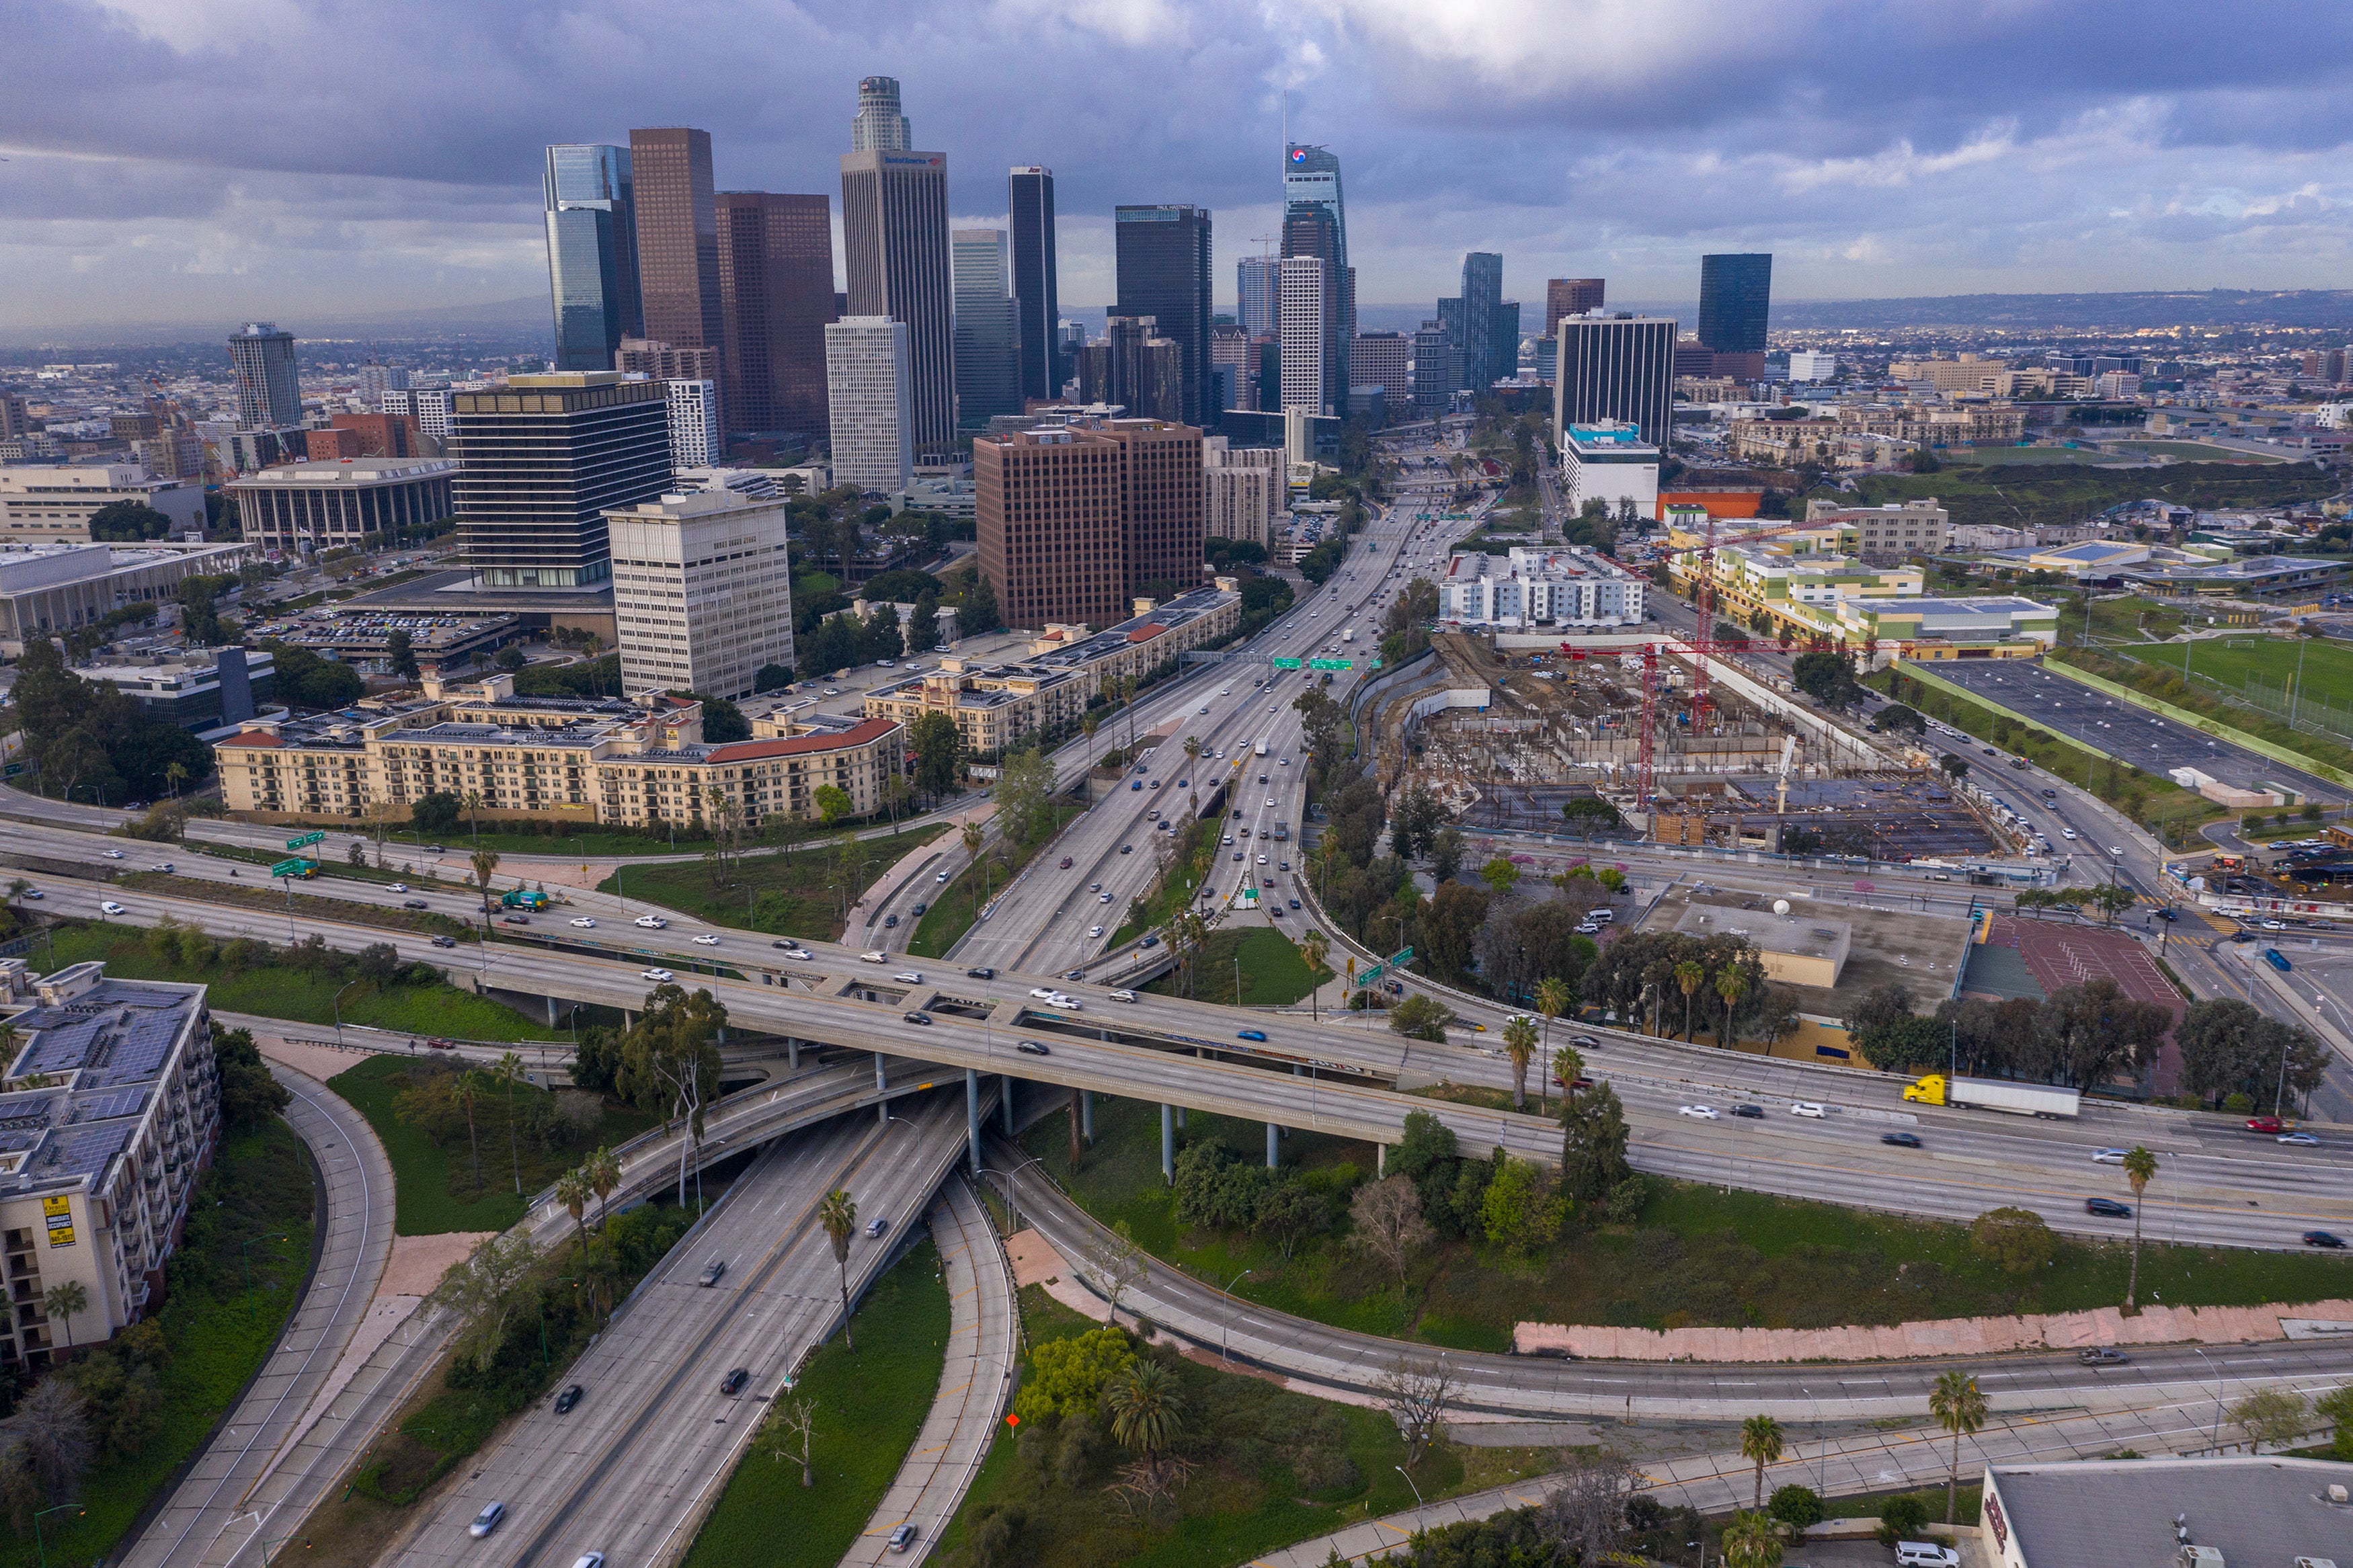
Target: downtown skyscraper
1315, 223
988, 329
894, 230
268, 394
1483, 299
1162, 257
592, 252
775, 297
1031, 204
678, 238
1735, 300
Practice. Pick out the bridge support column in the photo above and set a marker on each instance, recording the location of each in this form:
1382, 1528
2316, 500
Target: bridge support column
1167, 1146
1180, 1119
1087, 1116
1380, 1160
1006, 1095
550, 1011
881, 1108
1273, 1153
972, 1119
792, 1055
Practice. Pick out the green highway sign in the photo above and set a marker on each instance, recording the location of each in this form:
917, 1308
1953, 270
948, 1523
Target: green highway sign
1286, 664
1329, 664
293, 868
306, 839
1395, 961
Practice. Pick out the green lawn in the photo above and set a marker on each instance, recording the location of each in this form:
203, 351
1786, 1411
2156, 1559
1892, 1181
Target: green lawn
2327, 666
2022, 495
1696, 1256
790, 895
1984, 457
261, 1186
276, 900
960, 902
2195, 452
392, 871
870, 1406
1193, 858
301, 996
433, 1182
1274, 971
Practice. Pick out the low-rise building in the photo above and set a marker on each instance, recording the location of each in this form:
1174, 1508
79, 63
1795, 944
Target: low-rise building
2195, 1512
1932, 628
1572, 586
1894, 530
349, 503
363, 638
47, 503
1612, 464
2252, 577
196, 689
109, 1109
51, 588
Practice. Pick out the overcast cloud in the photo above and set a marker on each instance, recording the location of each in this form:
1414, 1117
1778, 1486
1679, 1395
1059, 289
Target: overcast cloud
198, 160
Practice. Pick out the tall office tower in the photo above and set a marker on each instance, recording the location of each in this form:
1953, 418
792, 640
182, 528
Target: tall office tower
678, 238
1436, 369
1504, 355
878, 126
1569, 297
1134, 368
987, 328
1735, 297
775, 296
1620, 368
1163, 258
1031, 206
1379, 359
894, 230
1308, 230
1311, 177
592, 252
1306, 305
703, 593
1075, 520
377, 378
696, 440
269, 394
1483, 292
541, 460
1230, 350
870, 404
1257, 279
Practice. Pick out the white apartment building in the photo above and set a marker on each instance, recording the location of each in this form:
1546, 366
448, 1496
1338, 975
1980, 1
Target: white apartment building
694, 438
1611, 463
1242, 491
1568, 588
867, 384
50, 502
1897, 529
1805, 364
428, 405
702, 590
1304, 304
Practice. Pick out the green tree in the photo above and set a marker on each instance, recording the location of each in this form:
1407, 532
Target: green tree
1422, 1017
401, 654
1959, 1407
1750, 1542
937, 746
1521, 1208
485, 862
1499, 875
1760, 1444
509, 1071
1024, 793
923, 626
127, 522
1067, 1376
1147, 1413
1689, 976
2274, 1415
64, 1303
1594, 1136
838, 1214
772, 677
669, 1063
2016, 1239
1520, 1046
2140, 1168
571, 1191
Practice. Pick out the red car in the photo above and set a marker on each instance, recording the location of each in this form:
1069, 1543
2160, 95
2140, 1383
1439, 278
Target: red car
2265, 1124
1066, 863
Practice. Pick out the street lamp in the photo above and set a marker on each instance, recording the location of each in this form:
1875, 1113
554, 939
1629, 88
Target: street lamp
1401, 1469
337, 1003
1224, 1328
39, 1550
2215, 1439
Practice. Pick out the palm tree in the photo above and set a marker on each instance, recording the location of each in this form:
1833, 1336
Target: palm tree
473, 804
1688, 975
469, 1087
2140, 1168
1316, 948
1519, 1044
485, 862
1192, 758
603, 1170
1760, 1443
509, 1071
1750, 1542
837, 1213
1147, 1414
1731, 985
65, 1302
572, 1190
1958, 1407
1569, 1065
173, 774
1553, 998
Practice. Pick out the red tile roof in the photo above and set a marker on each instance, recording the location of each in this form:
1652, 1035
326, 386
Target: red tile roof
1146, 633
253, 738
863, 734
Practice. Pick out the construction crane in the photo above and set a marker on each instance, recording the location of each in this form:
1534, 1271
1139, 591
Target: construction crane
1703, 640
1647, 752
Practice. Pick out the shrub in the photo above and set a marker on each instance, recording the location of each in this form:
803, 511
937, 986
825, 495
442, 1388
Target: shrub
1901, 1518
1067, 1375
2015, 1238
1796, 1506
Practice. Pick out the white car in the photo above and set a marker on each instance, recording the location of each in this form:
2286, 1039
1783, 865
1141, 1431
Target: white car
114, 854
1705, 1112
1123, 996
2066, 832
1094, 931
1261, 860
1204, 708
1041, 994
398, 887
833, 692
2107, 1156
110, 907
804, 954
1269, 803
1102, 897
939, 876
1807, 1108
706, 939
1926, 1554
874, 957
909, 977
1225, 691
658, 976
583, 922
650, 922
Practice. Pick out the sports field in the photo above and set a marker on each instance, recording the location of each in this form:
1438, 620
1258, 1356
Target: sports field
2327, 666
2194, 452
2007, 455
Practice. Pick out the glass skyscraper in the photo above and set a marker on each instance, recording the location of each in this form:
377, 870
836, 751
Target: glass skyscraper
592, 253
1162, 255
1482, 297
1735, 297
1030, 205
987, 328
1311, 180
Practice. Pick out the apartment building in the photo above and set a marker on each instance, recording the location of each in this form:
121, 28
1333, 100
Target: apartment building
1568, 588
639, 761
1894, 530
111, 1107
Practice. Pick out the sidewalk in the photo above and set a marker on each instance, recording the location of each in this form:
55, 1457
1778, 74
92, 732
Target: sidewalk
983, 1336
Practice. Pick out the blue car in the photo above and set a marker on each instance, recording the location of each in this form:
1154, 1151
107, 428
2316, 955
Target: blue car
1251, 1034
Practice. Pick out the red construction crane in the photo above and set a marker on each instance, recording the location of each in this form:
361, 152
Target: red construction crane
1644, 776
1703, 641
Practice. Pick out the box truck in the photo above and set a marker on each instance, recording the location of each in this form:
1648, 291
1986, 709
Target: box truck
1996, 1094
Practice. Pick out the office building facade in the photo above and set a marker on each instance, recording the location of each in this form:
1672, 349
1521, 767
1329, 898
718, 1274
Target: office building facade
590, 198
697, 438
39, 502
879, 126
987, 328
870, 404
269, 393
1571, 297
775, 296
1620, 368
1309, 232
894, 227
1077, 520
1437, 368
1482, 297
1233, 360
1163, 261
1735, 301
678, 237
343, 504
1382, 360
1307, 308
1030, 205
541, 460
1311, 182
701, 592
1256, 283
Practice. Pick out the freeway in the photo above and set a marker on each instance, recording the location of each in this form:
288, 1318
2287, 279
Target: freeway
2216, 1188
631, 1470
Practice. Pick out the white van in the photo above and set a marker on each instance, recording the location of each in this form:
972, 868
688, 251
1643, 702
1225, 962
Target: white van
1926, 1554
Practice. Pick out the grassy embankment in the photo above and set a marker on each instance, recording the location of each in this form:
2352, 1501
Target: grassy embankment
796, 894
2026, 494
1272, 969
960, 902
271, 898
1696, 1256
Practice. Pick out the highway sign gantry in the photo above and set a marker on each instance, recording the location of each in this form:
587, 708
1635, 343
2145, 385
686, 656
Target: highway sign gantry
304, 841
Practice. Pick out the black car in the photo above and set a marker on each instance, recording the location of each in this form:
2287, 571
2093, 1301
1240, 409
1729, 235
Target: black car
1749, 1113
984, 973
916, 1018
2323, 1238
733, 1384
567, 1399
414, 904
2103, 1355
2107, 1208
1033, 1049
918, 911
514, 919
444, 942
1901, 1139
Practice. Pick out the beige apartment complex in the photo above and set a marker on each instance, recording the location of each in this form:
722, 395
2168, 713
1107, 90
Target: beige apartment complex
1897, 529
637, 762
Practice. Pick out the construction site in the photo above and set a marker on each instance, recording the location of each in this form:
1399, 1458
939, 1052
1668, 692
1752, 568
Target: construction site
1510, 730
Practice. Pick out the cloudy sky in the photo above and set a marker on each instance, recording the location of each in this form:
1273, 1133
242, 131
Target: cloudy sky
193, 161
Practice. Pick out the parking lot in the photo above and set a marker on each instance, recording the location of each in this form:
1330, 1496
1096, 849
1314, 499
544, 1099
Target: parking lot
2117, 729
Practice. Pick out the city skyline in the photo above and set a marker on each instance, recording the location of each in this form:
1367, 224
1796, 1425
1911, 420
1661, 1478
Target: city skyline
2090, 165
